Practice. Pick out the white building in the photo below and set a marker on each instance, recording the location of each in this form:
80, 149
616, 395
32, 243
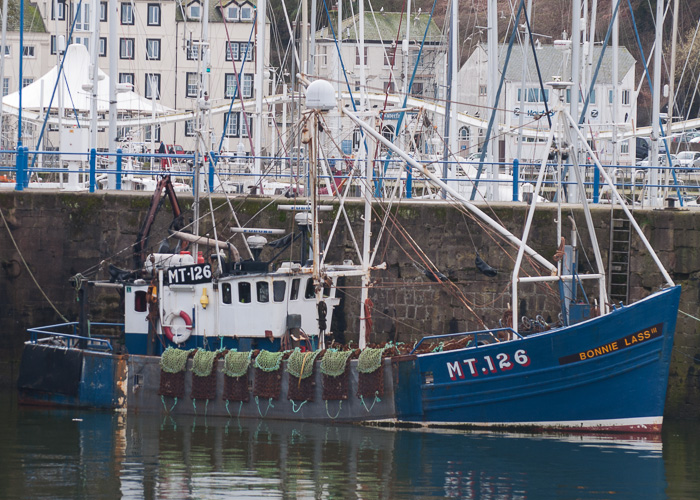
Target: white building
159, 53
553, 62
388, 66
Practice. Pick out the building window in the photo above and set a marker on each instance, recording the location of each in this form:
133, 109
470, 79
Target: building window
626, 97
83, 40
357, 85
102, 47
28, 51
103, 12
232, 51
152, 85
625, 147
357, 55
389, 87
417, 88
246, 13
53, 44
153, 49
192, 83
60, 9
189, 128
247, 51
246, 130
152, 133
247, 86
153, 14
231, 84
5, 86
8, 51
195, 11
231, 13
388, 132
231, 124
610, 96
127, 14
27, 81
192, 50
323, 56
126, 48
482, 91
82, 17
591, 97
388, 56
127, 78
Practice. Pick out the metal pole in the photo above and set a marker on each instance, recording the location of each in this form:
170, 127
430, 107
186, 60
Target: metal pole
656, 109
113, 12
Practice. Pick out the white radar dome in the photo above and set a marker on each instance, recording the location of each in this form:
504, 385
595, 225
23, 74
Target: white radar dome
320, 95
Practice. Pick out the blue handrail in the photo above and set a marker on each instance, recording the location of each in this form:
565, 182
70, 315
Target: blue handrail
480, 332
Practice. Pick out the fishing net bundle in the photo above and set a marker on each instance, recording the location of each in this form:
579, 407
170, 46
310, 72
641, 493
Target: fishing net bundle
300, 367
173, 363
268, 379
236, 366
334, 367
370, 374
204, 376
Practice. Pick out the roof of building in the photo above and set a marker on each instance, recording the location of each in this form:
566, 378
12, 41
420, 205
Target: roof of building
32, 17
384, 26
555, 61
215, 15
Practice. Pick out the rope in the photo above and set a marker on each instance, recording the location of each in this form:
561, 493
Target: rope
26, 266
689, 315
340, 406
376, 400
294, 408
257, 403
368, 307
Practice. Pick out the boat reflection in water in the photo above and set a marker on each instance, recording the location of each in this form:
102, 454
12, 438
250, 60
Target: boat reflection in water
144, 456
212, 458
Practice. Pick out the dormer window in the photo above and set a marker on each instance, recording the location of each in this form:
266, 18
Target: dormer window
246, 13
194, 11
231, 12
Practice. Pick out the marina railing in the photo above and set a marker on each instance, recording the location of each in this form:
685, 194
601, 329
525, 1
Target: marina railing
22, 169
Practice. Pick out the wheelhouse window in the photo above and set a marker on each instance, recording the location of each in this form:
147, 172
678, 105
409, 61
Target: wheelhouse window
244, 295
226, 293
278, 290
294, 294
140, 303
263, 291
310, 291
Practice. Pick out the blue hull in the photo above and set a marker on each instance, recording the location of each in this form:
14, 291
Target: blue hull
608, 373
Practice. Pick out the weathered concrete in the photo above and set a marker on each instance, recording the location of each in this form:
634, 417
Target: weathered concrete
61, 234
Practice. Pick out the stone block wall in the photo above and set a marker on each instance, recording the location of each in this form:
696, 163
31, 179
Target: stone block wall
61, 234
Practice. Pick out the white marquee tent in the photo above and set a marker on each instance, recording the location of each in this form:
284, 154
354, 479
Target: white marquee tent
76, 70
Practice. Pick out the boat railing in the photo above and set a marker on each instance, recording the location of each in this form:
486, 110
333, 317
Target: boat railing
487, 334
53, 333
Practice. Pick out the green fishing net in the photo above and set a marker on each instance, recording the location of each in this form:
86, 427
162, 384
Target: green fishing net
174, 360
236, 363
370, 359
333, 362
269, 361
301, 364
203, 362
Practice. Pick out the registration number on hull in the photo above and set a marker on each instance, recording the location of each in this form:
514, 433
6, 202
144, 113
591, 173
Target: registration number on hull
486, 365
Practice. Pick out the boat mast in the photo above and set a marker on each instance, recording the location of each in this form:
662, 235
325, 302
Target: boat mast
656, 109
450, 123
113, 12
575, 86
491, 89
521, 116
96, 73
259, 87
3, 42
615, 81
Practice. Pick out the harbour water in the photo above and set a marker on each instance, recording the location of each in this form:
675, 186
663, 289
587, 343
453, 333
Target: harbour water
55, 454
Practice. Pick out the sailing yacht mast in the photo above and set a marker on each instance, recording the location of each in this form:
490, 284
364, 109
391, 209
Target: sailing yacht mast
259, 86
656, 109
491, 89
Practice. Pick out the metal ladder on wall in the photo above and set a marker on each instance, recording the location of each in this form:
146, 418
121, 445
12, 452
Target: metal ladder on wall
619, 259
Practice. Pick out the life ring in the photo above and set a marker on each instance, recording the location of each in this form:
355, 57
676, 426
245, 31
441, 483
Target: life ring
177, 334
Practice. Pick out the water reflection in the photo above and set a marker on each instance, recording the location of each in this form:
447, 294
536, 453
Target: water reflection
54, 454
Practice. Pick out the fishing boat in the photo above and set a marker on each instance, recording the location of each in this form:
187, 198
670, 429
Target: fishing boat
246, 337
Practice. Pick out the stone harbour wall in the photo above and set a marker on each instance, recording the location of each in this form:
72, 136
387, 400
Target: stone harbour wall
61, 234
